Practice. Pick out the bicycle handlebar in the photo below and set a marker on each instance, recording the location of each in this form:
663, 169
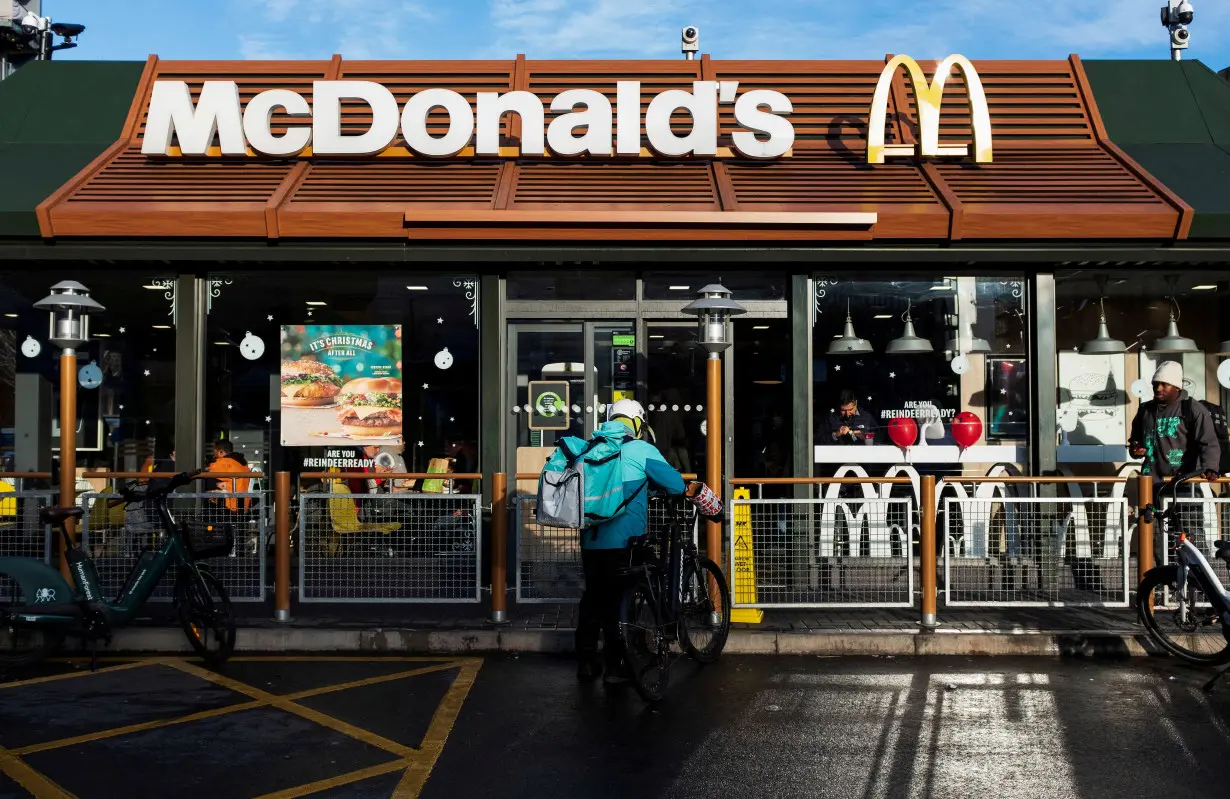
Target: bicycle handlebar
129, 496
1151, 511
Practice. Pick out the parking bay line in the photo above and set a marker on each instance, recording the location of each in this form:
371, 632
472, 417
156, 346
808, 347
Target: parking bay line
265, 700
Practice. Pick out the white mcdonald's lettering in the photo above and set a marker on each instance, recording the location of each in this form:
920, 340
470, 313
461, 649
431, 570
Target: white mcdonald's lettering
928, 98
218, 116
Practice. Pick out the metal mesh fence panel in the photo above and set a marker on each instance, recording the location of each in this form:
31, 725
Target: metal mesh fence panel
792, 553
22, 533
116, 536
549, 558
1205, 520
1036, 551
389, 547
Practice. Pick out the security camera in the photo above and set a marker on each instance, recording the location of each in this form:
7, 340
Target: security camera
1179, 36
1180, 13
32, 24
691, 39
67, 29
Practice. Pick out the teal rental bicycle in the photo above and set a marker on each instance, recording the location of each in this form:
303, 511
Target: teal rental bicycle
38, 609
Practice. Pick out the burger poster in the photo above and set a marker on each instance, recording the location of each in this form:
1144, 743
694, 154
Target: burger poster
341, 383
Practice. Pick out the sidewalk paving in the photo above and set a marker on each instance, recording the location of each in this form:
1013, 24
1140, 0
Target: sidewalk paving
466, 629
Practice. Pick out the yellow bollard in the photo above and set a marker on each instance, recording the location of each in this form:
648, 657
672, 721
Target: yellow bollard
743, 568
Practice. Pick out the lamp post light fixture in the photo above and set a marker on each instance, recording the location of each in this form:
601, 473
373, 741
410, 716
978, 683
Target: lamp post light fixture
70, 306
713, 309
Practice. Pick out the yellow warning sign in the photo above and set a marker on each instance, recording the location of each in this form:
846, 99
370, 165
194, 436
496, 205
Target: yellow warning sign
744, 582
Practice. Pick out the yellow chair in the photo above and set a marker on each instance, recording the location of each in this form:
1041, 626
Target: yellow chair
8, 507
344, 518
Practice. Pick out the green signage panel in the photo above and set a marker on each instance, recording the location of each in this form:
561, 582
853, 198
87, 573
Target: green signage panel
623, 340
549, 405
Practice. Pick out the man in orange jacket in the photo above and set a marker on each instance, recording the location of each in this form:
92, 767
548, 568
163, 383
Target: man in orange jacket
225, 463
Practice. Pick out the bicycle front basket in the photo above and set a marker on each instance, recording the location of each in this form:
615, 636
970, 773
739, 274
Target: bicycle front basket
208, 539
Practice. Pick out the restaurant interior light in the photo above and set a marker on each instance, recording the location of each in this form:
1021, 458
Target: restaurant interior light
909, 343
760, 327
411, 288
1205, 287
152, 286
317, 302
680, 288
848, 343
1172, 341
1103, 344
11, 315
162, 327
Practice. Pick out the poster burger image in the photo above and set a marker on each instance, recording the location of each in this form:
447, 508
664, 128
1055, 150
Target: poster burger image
309, 384
341, 383
370, 407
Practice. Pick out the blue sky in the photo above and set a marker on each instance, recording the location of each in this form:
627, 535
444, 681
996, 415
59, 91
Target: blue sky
498, 29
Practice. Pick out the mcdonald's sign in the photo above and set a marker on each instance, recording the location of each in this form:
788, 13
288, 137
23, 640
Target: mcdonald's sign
928, 97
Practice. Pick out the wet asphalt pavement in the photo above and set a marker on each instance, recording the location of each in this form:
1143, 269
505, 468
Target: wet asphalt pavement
746, 727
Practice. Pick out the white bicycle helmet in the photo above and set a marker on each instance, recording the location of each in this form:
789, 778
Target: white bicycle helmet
634, 412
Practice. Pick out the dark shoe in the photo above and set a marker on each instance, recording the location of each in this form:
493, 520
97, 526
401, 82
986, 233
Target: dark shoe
589, 670
616, 675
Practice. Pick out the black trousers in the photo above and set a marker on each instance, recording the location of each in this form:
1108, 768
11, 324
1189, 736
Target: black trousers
599, 610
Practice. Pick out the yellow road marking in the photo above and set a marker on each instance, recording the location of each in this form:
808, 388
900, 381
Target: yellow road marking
222, 711
282, 703
115, 732
39, 786
77, 674
334, 782
442, 722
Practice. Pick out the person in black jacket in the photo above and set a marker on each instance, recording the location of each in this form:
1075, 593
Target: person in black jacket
1174, 435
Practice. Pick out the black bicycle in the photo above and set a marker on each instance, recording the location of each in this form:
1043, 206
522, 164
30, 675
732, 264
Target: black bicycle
676, 603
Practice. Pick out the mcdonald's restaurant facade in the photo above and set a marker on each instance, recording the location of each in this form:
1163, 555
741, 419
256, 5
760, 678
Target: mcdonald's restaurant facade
517, 229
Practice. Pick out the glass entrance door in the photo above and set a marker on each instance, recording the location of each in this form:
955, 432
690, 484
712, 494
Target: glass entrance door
675, 393
561, 378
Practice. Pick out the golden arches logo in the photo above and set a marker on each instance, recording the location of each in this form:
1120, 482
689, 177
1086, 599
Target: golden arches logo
928, 97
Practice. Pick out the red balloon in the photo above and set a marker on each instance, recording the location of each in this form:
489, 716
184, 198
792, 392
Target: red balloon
903, 431
966, 429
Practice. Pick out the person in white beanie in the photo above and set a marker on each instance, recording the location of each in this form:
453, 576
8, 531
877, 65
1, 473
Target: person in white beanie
1173, 433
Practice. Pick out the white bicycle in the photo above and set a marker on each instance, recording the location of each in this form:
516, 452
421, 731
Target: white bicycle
1184, 605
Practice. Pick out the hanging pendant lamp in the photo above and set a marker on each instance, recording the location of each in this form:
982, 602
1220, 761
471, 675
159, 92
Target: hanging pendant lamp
909, 343
1103, 344
966, 344
1172, 341
848, 343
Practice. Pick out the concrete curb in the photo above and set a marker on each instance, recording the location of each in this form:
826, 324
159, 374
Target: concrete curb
741, 642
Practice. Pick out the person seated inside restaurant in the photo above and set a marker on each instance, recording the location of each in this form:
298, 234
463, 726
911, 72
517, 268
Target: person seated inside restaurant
851, 424
225, 462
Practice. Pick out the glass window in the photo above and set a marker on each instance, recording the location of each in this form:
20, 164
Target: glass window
682, 286
595, 282
439, 368
945, 355
1103, 379
132, 411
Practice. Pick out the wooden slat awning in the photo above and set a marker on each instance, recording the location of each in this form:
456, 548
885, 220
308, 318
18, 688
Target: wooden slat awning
1055, 175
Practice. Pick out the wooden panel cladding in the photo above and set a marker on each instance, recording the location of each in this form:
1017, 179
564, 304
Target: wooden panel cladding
550, 78
907, 205
471, 184
405, 78
615, 185
1076, 193
252, 77
1032, 104
830, 98
132, 177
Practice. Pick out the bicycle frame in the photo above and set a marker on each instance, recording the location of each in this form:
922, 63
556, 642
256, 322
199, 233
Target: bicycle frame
139, 586
1189, 558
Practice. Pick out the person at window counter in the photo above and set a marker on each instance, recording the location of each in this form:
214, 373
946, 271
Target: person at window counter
851, 424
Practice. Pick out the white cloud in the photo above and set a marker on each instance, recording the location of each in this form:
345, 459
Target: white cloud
357, 29
559, 29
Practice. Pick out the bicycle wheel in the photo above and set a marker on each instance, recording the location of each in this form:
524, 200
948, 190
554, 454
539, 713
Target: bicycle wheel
704, 613
19, 646
645, 647
1197, 637
204, 610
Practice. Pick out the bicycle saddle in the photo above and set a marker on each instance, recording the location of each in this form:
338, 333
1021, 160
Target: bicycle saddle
57, 515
